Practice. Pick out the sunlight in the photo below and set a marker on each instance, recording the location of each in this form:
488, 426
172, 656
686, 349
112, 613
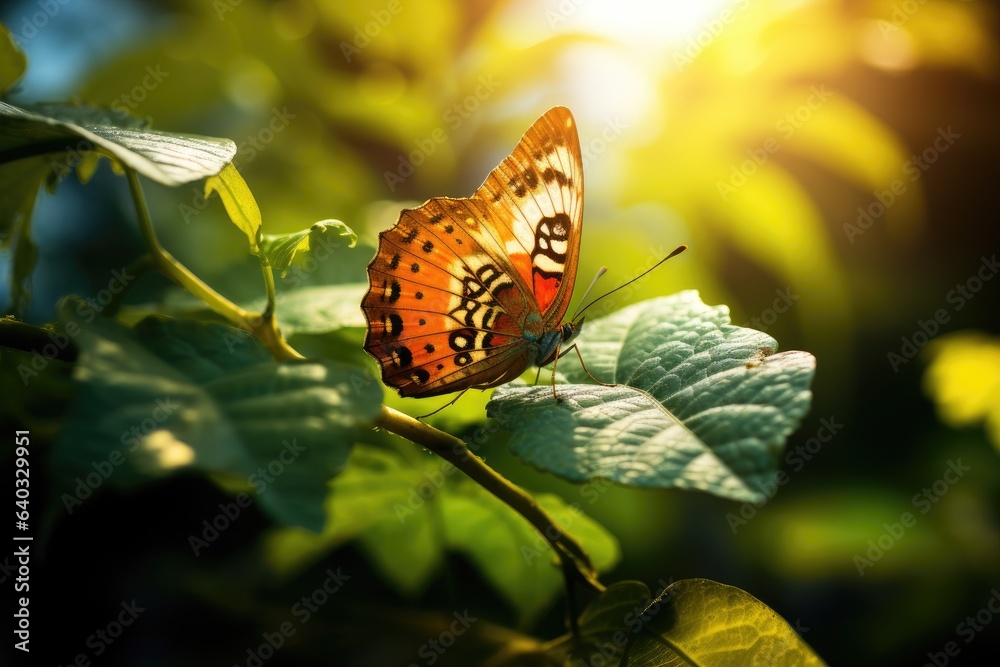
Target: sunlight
642, 40
640, 23
649, 24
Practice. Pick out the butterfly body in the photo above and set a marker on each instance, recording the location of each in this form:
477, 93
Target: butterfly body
471, 292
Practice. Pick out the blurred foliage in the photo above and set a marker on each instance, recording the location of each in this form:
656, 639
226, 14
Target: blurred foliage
815, 113
12, 60
963, 378
395, 507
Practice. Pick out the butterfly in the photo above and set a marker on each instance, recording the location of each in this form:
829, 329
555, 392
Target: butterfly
468, 293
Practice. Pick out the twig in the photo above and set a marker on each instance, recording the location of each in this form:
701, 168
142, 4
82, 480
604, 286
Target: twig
575, 561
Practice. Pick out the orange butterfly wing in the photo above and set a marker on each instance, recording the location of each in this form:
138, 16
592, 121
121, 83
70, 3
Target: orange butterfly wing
537, 193
460, 289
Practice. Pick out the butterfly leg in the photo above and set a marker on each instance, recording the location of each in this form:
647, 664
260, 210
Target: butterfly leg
446, 405
555, 361
579, 356
584, 365
538, 374
555, 394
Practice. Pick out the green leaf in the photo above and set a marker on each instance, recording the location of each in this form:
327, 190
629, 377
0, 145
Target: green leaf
608, 612
68, 132
421, 510
384, 541
283, 249
374, 486
36, 389
19, 184
322, 309
47, 141
239, 202
12, 60
704, 623
171, 395
22, 266
698, 403
606, 625
511, 554
305, 310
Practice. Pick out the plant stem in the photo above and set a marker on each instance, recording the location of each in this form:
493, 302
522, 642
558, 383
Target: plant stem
574, 559
265, 328
269, 289
167, 263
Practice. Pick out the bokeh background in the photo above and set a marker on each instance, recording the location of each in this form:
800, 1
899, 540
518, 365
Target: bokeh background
832, 165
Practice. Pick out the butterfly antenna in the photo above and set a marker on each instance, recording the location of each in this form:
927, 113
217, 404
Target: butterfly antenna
593, 282
678, 250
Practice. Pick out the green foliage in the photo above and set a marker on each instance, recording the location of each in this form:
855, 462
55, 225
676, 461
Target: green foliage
12, 60
394, 506
690, 622
694, 402
605, 625
700, 622
239, 203
73, 129
49, 141
701, 404
175, 395
284, 249
964, 380
321, 309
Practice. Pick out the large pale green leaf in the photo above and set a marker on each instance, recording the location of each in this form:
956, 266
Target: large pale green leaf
697, 403
284, 249
703, 623
70, 131
50, 140
421, 510
171, 395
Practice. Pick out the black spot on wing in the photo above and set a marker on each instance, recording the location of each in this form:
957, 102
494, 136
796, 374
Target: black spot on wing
401, 356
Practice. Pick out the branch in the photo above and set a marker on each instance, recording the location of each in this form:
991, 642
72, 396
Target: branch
575, 561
